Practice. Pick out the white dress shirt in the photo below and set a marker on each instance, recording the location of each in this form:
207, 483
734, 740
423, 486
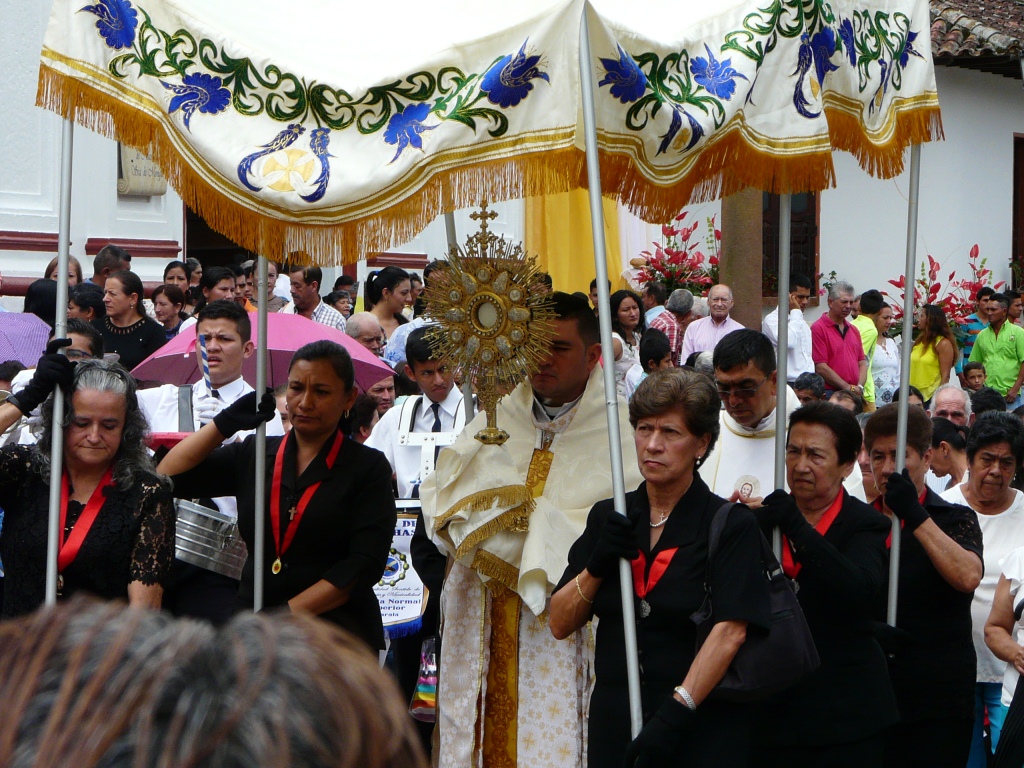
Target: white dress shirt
406, 460
160, 407
799, 356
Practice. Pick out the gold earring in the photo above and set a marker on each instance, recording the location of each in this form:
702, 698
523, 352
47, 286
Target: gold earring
346, 413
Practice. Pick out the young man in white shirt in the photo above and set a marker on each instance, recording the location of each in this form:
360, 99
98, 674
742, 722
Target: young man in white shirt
799, 354
411, 436
227, 330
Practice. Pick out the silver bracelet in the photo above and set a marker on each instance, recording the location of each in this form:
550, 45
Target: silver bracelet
686, 697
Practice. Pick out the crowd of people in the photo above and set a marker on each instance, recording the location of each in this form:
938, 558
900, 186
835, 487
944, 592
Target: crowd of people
519, 548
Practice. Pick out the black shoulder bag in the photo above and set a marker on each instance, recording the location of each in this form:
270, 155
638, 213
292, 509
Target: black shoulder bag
765, 663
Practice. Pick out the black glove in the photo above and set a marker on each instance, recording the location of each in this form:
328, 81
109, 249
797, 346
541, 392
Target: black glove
616, 541
659, 740
243, 415
779, 510
902, 498
893, 640
53, 370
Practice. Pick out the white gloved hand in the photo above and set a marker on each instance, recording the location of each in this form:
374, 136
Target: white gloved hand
208, 406
35, 424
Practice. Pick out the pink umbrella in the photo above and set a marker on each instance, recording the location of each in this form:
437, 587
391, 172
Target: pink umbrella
176, 363
22, 337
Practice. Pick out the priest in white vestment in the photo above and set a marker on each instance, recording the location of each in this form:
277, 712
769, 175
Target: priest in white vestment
509, 693
741, 467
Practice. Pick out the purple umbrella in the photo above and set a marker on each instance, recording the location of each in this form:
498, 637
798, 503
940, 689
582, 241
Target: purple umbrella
22, 337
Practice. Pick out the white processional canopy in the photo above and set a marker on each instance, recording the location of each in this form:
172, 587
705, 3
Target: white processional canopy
341, 129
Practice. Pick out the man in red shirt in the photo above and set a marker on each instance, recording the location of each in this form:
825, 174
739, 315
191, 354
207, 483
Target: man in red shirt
836, 346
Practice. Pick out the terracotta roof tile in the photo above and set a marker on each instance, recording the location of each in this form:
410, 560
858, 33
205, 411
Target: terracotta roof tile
977, 28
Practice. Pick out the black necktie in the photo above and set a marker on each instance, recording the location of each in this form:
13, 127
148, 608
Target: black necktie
436, 408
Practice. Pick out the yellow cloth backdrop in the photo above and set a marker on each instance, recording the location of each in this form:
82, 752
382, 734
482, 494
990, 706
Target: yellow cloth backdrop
558, 232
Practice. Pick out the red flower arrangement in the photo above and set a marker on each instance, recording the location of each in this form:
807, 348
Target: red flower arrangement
957, 298
679, 262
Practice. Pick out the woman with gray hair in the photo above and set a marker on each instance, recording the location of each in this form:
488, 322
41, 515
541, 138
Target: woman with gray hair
665, 534
117, 518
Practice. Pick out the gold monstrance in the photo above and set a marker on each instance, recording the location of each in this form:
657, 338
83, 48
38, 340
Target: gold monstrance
492, 325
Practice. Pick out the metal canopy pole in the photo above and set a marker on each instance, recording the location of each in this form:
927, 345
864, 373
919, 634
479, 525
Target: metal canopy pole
608, 356
467, 386
259, 542
67, 142
782, 367
908, 342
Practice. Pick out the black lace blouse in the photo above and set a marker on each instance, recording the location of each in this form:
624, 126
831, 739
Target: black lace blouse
132, 538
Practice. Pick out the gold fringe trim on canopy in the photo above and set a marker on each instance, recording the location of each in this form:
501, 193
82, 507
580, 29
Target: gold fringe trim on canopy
727, 164
905, 128
482, 501
256, 228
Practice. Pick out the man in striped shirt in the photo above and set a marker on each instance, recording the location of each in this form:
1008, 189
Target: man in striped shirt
306, 299
975, 324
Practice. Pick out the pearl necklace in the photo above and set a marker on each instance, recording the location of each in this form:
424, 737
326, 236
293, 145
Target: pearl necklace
664, 519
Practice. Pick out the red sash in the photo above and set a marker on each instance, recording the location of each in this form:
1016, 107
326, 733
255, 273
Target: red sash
67, 551
658, 568
789, 564
280, 547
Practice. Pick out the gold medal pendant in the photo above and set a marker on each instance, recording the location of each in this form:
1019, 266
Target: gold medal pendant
276, 567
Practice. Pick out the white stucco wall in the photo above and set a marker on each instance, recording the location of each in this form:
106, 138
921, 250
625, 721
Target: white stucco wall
30, 184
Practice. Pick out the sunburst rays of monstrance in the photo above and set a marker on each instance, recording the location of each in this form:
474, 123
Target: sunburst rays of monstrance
491, 324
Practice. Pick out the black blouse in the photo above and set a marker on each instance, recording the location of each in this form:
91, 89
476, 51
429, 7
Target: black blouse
842, 575
667, 637
344, 536
132, 538
934, 669
133, 343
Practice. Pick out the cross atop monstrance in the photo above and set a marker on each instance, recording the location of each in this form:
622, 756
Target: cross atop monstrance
483, 215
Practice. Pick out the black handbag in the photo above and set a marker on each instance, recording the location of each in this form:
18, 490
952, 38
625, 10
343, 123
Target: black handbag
766, 662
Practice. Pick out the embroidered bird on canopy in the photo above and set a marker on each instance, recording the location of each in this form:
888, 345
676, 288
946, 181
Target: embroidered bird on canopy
341, 129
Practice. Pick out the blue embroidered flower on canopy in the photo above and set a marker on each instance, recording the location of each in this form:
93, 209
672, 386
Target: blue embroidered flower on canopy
404, 128
627, 80
117, 22
198, 91
717, 77
507, 82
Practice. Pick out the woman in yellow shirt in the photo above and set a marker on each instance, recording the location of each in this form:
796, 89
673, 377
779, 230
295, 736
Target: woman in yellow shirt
933, 354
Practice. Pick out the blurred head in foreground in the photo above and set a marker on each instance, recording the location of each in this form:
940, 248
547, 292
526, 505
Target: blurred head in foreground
98, 684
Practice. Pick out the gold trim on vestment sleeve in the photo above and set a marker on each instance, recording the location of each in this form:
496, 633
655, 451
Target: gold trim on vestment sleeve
496, 569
